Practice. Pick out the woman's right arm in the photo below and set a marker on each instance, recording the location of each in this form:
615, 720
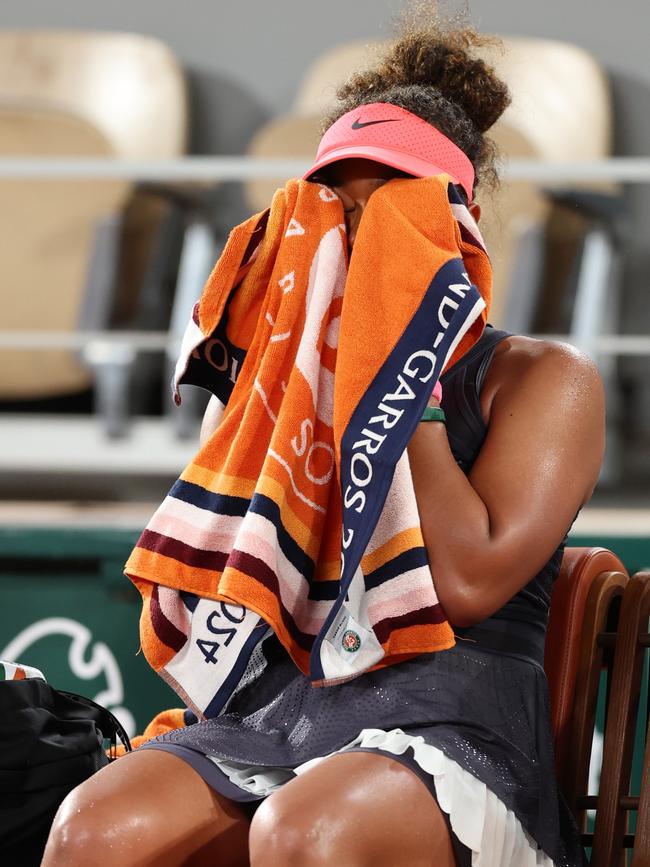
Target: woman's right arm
488, 534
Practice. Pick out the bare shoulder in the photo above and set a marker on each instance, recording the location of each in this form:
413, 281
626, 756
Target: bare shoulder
524, 354
544, 405
556, 370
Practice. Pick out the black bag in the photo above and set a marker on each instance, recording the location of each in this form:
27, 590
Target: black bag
50, 741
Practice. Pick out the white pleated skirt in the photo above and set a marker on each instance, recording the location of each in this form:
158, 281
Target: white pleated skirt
480, 820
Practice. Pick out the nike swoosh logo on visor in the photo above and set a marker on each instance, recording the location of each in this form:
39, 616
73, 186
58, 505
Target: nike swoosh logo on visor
358, 125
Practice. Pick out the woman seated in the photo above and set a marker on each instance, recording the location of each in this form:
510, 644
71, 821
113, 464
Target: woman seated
447, 757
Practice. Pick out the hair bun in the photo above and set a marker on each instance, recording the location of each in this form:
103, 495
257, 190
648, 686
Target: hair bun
445, 63
433, 70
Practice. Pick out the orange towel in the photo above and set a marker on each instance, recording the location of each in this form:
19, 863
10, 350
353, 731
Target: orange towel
299, 513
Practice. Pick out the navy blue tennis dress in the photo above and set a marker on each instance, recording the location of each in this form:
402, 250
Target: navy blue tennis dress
472, 721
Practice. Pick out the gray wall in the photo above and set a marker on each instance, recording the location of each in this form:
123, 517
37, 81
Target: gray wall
244, 60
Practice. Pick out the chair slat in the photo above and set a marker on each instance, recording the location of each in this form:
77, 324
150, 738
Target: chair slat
580, 568
618, 747
641, 856
605, 588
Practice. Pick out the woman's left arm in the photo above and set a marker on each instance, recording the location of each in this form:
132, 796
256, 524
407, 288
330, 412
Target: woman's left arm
489, 533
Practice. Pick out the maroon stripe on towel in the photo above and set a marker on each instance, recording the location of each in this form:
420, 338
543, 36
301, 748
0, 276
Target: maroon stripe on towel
213, 560
164, 628
259, 570
422, 617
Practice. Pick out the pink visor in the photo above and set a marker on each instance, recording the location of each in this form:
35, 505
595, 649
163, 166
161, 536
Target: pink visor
395, 137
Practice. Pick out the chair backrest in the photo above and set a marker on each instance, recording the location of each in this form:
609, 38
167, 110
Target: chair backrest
129, 87
560, 95
288, 136
614, 798
576, 614
317, 91
65, 94
47, 229
579, 644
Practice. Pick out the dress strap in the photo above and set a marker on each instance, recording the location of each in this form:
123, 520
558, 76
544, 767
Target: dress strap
483, 349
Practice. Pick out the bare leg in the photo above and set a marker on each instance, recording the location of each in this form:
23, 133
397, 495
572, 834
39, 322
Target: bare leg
147, 808
353, 810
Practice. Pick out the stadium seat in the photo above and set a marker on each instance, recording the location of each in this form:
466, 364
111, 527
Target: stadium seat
73, 94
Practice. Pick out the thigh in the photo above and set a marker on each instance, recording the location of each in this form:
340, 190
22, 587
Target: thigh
353, 809
148, 807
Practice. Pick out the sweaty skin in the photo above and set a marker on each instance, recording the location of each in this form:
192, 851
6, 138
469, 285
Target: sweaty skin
486, 536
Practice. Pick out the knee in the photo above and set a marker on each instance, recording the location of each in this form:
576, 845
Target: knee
83, 833
72, 834
288, 838
277, 838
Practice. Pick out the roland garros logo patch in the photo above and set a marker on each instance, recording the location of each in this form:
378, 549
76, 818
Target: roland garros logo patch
351, 641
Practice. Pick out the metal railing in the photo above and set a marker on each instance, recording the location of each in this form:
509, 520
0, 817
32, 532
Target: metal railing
214, 169
163, 341
242, 168
111, 353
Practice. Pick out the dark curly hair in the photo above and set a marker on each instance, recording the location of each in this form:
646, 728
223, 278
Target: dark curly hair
432, 72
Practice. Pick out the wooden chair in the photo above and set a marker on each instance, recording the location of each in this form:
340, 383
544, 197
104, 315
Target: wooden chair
579, 643
599, 620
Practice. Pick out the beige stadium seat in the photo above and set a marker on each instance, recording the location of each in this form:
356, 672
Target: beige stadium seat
71, 94
560, 111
